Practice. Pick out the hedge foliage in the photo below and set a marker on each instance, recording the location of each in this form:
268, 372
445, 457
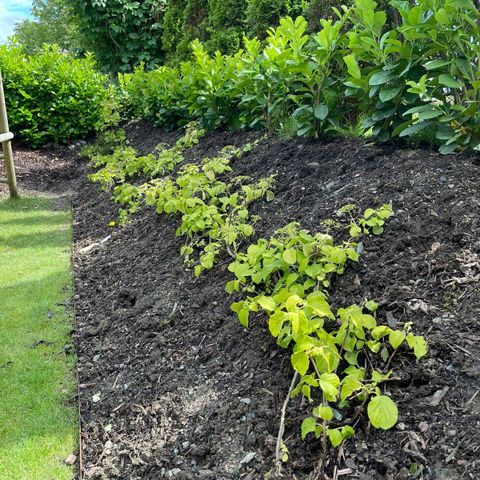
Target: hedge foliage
52, 96
415, 79
221, 25
123, 33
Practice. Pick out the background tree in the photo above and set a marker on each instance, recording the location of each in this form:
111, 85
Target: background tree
122, 33
54, 21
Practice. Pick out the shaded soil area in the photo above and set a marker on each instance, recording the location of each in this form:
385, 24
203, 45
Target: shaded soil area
173, 387
42, 170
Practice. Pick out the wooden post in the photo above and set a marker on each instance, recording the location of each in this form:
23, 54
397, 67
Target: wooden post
6, 141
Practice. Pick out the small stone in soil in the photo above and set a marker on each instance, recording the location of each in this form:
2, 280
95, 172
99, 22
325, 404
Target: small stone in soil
423, 426
248, 458
174, 472
71, 459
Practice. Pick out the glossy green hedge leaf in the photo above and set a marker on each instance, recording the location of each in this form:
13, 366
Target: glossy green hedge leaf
441, 16
380, 78
387, 94
321, 111
416, 127
449, 81
382, 412
352, 66
433, 64
448, 149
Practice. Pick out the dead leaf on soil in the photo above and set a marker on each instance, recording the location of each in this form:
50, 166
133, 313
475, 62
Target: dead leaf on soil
437, 397
470, 267
417, 304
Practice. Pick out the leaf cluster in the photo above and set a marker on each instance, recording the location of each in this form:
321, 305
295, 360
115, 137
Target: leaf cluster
122, 162
288, 278
213, 204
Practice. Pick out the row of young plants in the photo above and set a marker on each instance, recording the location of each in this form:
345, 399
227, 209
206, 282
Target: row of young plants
341, 360
213, 203
416, 79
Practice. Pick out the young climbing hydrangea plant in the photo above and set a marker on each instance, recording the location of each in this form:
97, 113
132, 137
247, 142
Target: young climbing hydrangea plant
124, 162
212, 204
288, 278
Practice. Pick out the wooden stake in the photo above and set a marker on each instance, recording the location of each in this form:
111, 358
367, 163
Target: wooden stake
6, 141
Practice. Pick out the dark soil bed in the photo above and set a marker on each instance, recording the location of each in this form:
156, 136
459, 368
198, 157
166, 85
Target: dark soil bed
173, 387
42, 170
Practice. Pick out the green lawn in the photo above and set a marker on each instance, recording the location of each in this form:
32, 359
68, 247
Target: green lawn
38, 417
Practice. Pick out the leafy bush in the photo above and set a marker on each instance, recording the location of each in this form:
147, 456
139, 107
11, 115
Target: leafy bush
256, 88
122, 33
157, 95
419, 77
288, 278
52, 96
413, 78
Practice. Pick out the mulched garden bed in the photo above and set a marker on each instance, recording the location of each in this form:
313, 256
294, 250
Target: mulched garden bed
171, 386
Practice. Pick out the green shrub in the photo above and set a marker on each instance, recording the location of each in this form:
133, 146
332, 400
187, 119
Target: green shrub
122, 33
417, 80
409, 73
52, 96
157, 96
